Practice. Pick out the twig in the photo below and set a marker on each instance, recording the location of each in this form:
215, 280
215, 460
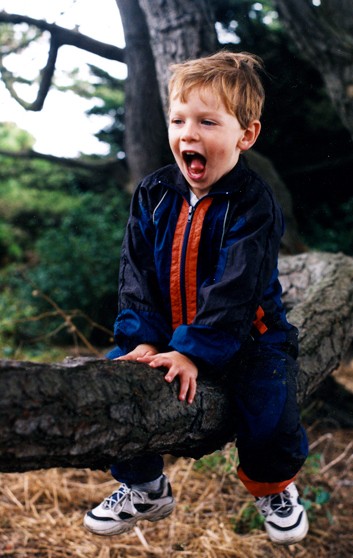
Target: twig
337, 459
68, 323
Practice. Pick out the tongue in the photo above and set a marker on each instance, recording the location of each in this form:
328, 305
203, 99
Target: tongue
197, 165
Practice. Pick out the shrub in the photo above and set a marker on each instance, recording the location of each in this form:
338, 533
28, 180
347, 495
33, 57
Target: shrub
78, 260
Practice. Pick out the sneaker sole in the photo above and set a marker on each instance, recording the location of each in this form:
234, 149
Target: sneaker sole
128, 525
294, 538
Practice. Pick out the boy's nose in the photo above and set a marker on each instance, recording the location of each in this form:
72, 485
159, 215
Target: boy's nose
190, 132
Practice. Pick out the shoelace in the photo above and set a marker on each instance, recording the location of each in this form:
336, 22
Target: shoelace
111, 501
276, 503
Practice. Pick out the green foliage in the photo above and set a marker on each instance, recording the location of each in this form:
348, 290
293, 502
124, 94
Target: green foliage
212, 462
331, 228
60, 233
248, 519
27, 208
78, 260
10, 247
17, 200
76, 265
13, 138
111, 94
12, 310
313, 463
314, 498
220, 462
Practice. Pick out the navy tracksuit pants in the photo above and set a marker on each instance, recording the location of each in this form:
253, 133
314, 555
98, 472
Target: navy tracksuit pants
272, 444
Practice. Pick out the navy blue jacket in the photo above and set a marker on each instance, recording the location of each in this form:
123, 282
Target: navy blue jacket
201, 279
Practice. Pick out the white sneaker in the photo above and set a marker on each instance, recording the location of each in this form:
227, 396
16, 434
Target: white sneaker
120, 512
286, 521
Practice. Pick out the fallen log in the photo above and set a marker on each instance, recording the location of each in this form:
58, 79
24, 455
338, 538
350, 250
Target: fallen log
318, 292
90, 412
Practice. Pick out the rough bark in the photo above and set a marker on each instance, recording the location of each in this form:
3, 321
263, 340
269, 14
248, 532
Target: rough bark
88, 413
179, 29
323, 34
146, 140
318, 290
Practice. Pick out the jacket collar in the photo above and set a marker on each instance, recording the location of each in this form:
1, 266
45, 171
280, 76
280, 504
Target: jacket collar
230, 183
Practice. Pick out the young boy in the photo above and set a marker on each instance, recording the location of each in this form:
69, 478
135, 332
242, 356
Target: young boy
199, 290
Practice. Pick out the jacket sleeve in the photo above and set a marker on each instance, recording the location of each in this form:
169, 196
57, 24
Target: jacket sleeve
228, 300
139, 318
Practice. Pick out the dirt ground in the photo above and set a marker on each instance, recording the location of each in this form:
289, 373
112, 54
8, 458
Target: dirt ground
41, 512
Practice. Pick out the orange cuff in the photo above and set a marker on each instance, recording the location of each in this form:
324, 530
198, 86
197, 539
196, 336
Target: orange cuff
259, 489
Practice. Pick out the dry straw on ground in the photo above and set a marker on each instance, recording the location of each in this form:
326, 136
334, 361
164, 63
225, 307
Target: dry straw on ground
41, 512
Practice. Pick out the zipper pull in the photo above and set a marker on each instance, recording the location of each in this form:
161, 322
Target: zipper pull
191, 212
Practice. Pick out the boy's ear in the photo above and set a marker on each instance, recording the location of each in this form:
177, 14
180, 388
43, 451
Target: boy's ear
250, 136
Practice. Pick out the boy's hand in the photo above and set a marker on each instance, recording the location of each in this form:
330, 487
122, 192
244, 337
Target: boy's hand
145, 349
178, 365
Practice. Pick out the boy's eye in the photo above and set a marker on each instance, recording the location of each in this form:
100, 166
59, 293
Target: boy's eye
176, 121
206, 122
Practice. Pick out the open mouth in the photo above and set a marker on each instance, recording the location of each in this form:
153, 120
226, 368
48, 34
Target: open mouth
195, 162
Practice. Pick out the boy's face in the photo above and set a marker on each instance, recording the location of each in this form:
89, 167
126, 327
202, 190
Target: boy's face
205, 139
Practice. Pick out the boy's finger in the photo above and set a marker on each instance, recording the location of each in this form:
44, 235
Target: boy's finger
192, 391
184, 387
170, 375
145, 358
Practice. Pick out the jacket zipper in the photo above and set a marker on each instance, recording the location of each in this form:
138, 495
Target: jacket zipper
192, 210
183, 272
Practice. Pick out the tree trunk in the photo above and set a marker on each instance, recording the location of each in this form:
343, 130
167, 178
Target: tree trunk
323, 34
157, 33
179, 30
92, 412
146, 139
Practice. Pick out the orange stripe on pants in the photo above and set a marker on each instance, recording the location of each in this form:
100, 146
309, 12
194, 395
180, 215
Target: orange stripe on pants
259, 489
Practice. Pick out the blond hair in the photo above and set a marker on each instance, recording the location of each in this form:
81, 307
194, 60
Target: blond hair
232, 77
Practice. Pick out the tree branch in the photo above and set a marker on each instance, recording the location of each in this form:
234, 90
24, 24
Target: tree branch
68, 37
98, 164
110, 166
46, 76
59, 37
45, 82
323, 35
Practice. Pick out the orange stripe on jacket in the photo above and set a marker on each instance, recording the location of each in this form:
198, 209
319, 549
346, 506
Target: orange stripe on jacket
192, 258
258, 323
177, 248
